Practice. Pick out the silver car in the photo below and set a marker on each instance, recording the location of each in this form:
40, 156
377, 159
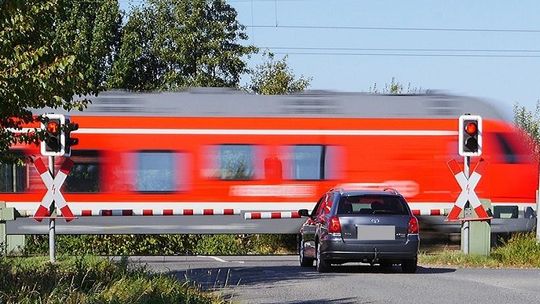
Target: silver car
375, 227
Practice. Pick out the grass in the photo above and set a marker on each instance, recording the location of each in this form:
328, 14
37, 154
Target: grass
90, 280
520, 251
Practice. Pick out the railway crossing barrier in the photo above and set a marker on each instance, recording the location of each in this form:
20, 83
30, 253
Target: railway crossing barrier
475, 221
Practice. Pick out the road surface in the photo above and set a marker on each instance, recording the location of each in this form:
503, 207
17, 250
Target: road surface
279, 279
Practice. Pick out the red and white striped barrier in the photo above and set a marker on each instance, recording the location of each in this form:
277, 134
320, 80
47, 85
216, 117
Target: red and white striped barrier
165, 212
435, 212
247, 215
271, 215
53, 190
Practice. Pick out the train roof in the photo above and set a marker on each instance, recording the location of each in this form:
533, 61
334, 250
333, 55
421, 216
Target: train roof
224, 102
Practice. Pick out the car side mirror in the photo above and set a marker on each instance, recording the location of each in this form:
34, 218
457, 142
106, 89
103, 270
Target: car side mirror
303, 212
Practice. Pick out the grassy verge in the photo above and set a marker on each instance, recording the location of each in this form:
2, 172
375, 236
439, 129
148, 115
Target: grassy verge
520, 251
89, 280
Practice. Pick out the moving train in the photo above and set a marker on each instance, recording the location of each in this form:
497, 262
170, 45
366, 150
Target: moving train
215, 151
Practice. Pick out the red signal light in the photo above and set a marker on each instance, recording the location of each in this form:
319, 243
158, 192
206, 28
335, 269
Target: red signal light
471, 128
53, 127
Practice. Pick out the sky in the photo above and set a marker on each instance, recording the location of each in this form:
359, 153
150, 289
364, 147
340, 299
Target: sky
502, 36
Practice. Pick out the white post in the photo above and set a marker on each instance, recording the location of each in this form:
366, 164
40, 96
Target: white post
465, 225
52, 251
538, 217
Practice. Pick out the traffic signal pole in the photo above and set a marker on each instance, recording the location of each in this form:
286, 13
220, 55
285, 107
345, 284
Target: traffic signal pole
57, 142
52, 229
465, 225
537, 211
468, 208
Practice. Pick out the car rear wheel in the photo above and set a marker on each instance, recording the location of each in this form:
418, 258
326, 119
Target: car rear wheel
304, 261
321, 264
409, 266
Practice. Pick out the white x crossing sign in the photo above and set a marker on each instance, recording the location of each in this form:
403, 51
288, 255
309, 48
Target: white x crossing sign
467, 192
53, 190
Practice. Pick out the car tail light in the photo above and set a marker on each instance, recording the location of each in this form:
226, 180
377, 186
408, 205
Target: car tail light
334, 225
413, 225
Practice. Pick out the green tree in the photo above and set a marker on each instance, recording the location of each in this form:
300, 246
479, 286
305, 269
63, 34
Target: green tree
171, 44
274, 77
529, 122
50, 51
91, 31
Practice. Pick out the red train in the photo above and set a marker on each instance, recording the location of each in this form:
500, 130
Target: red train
219, 151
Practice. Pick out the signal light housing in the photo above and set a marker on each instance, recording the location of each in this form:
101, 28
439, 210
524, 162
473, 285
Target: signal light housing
70, 126
54, 141
470, 135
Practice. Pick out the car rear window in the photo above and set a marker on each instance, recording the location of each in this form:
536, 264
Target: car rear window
372, 204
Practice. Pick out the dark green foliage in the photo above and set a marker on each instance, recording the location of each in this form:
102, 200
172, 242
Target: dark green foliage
89, 280
170, 45
164, 244
51, 51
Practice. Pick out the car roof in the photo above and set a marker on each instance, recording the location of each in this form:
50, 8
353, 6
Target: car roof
367, 192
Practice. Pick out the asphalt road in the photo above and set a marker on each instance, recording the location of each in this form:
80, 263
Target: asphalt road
279, 279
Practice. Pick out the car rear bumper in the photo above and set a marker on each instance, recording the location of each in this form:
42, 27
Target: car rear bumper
338, 250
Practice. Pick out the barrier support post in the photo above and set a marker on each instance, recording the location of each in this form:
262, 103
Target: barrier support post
538, 217
9, 244
52, 229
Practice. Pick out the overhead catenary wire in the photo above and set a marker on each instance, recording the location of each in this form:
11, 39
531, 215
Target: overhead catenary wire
381, 28
407, 54
400, 49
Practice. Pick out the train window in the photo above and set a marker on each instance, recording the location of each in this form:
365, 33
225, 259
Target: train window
84, 176
236, 162
156, 171
307, 162
507, 152
13, 178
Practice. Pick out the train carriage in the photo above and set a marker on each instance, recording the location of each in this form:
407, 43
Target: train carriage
224, 152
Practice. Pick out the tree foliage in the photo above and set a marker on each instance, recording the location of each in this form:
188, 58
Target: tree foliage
529, 122
50, 51
274, 77
171, 44
395, 88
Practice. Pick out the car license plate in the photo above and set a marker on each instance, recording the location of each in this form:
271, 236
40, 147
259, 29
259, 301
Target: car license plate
375, 233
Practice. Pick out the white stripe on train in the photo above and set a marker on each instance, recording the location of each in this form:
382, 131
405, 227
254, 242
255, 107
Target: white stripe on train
217, 208
265, 132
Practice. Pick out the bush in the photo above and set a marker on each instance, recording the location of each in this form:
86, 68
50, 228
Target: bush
138, 244
89, 280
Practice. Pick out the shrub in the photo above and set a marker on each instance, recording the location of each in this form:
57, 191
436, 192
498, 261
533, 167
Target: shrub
138, 244
89, 280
